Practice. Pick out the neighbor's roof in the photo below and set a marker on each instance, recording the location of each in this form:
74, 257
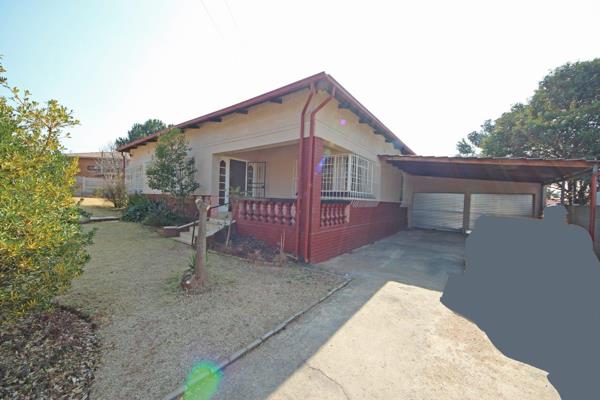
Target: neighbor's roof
95, 154
321, 80
499, 169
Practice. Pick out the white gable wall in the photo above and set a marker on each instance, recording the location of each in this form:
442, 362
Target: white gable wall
272, 123
341, 127
265, 124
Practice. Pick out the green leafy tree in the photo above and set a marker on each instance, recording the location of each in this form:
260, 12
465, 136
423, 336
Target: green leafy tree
42, 244
172, 171
138, 131
561, 120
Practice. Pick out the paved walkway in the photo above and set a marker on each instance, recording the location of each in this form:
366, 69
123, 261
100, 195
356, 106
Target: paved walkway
385, 336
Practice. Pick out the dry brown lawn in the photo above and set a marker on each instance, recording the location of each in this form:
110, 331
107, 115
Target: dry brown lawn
151, 333
97, 207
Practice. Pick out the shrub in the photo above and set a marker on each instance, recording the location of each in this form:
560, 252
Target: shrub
160, 215
148, 212
115, 192
138, 207
42, 244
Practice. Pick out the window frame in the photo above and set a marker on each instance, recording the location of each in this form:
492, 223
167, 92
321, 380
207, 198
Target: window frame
347, 176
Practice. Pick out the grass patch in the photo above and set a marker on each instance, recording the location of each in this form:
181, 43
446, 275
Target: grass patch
98, 207
131, 288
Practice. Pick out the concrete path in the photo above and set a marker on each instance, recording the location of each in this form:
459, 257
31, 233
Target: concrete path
385, 336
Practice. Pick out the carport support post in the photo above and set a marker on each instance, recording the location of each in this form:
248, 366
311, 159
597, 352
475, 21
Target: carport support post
542, 200
467, 212
593, 191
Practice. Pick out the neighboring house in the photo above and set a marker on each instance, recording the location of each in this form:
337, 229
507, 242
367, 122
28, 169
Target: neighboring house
93, 169
351, 182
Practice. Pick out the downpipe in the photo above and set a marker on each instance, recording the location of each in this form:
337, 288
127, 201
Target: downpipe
311, 172
300, 171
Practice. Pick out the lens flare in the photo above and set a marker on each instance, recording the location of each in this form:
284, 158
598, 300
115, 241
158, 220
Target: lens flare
203, 381
343, 122
319, 168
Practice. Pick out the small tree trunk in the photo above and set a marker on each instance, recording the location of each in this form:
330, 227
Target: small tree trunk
200, 274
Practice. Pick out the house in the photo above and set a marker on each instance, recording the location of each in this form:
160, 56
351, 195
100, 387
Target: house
93, 169
325, 175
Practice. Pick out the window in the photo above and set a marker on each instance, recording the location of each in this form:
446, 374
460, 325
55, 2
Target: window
256, 179
134, 178
348, 176
129, 180
222, 180
93, 168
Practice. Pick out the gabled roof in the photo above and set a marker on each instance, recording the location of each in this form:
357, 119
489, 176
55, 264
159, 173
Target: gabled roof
321, 81
541, 170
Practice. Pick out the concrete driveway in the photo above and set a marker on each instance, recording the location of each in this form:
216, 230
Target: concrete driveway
386, 336
417, 257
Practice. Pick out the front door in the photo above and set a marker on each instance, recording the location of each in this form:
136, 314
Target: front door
237, 175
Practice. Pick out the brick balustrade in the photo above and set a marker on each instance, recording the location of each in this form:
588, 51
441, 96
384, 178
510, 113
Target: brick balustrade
270, 220
279, 212
333, 214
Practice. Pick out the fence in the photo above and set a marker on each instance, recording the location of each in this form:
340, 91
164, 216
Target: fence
87, 186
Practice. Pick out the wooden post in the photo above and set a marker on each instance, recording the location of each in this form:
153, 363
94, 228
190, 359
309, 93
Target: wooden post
200, 274
200, 267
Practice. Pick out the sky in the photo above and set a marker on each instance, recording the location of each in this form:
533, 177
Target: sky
432, 71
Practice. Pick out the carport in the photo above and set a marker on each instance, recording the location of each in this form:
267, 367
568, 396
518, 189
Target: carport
451, 193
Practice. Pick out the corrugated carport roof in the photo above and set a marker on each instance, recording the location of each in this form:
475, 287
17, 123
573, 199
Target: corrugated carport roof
497, 169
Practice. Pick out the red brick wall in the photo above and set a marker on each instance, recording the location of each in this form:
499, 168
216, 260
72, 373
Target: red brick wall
269, 233
366, 225
92, 163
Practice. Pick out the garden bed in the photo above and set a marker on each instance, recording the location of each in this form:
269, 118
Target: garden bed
249, 248
151, 333
47, 355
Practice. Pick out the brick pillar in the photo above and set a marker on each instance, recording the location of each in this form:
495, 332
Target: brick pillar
301, 197
315, 211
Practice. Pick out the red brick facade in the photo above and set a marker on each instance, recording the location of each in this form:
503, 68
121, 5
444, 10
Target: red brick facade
365, 225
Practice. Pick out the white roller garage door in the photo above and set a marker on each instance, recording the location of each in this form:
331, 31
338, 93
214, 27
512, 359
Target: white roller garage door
508, 205
438, 210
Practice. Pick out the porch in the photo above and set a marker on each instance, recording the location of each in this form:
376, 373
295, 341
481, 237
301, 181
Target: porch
343, 211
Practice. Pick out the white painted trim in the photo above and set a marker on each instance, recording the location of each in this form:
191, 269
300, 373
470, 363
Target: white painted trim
227, 178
